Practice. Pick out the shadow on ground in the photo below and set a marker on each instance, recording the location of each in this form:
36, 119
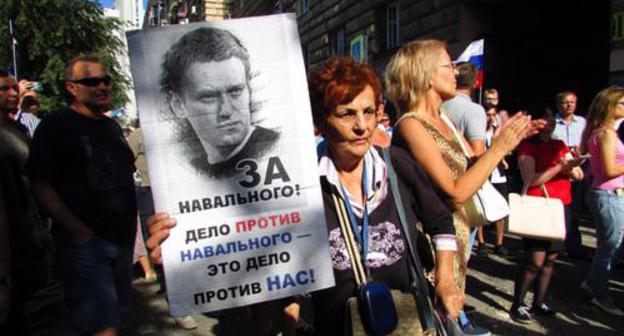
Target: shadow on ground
490, 290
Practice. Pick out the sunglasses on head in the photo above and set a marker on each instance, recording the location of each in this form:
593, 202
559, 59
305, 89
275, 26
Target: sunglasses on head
92, 81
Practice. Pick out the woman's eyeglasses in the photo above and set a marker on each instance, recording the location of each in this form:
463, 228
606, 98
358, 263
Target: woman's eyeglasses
451, 65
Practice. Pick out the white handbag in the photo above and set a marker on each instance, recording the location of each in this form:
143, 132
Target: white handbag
487, 205
536, 217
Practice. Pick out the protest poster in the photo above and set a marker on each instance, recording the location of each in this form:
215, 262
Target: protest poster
230, 149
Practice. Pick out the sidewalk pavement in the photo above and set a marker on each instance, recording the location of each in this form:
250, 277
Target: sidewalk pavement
490, 290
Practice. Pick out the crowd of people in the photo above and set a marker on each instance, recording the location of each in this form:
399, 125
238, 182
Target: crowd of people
73, 186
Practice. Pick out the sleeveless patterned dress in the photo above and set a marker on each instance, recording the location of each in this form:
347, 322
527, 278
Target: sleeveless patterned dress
453, 156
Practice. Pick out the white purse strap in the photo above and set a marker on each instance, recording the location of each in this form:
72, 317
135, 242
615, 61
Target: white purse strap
352, 248
467, 151
525, 187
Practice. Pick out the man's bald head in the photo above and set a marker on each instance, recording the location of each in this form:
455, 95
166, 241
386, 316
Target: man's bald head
70, 68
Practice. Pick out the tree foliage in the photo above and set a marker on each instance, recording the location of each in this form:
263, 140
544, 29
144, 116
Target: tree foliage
51, 32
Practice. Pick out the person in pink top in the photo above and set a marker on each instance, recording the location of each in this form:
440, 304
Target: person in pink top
606, 196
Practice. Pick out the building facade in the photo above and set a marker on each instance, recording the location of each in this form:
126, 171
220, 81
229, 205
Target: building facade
368, 30
616, 57
372, 31
166, 12
533, 49
131, 12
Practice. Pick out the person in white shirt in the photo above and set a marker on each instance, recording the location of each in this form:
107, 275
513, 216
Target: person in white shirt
499, 181
27, 114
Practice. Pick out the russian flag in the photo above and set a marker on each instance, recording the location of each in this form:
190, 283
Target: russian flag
474, 55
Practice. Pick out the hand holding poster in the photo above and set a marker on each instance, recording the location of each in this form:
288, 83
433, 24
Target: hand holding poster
230, 148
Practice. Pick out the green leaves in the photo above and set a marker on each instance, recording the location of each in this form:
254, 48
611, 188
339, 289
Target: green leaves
51, 32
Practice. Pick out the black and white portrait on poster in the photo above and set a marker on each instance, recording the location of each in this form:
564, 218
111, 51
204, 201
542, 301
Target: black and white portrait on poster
206, 78
230, 150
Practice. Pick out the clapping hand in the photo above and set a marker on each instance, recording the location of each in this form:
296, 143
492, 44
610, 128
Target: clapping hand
516, 129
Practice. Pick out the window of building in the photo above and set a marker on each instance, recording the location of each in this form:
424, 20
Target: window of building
155, 15
618, 26
337, 43
393, 38
358, 49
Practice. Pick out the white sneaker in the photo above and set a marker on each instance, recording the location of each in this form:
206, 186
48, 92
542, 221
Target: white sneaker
608, 306
186, 322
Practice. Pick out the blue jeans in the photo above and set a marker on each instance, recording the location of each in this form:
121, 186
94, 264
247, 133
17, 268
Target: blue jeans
98, 283
608, 212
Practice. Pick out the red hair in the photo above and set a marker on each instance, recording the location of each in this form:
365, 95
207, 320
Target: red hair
339, 81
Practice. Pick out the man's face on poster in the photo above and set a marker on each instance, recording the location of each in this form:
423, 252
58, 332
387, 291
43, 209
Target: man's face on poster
214, 97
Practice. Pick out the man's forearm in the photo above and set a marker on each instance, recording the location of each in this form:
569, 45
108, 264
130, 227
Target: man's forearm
51, 201
477, 146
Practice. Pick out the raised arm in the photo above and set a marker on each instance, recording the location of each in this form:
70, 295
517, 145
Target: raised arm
423, 149
566, 166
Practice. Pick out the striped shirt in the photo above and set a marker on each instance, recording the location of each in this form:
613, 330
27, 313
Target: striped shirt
29, 120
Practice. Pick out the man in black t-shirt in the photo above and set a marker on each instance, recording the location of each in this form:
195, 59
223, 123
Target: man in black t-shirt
81, 171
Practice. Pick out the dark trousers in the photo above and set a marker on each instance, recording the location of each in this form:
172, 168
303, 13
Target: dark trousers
573, 242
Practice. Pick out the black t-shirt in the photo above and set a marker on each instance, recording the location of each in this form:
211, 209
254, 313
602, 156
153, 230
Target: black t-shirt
387, 246
89, 164
259, 143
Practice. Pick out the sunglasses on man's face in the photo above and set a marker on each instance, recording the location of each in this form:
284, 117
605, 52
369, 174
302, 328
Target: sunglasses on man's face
92, 81
8, 87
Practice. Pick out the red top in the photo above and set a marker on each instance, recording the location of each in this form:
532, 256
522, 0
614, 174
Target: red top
546, 155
